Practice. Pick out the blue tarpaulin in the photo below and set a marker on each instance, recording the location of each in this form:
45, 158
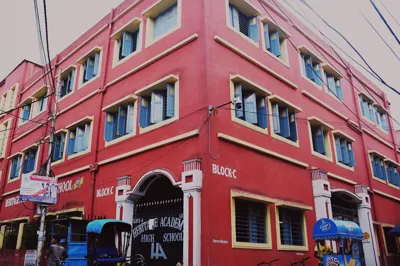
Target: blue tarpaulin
97, 225
395, 230
335, 229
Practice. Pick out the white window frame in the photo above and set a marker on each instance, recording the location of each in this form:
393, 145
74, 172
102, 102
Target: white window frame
81, 61
304, 50
342, 135
73, 126
66, 72
327, 140
5, 128
25, 151
9, 158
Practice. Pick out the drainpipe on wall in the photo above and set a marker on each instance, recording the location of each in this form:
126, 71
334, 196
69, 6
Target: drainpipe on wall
12, 133
94, 167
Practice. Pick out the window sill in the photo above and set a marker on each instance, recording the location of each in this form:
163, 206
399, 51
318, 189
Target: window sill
256, 44
393, 186
312, 82
65, 96
160, 124
13, 180
23, 123
287, 141
319, 155
286, 64
249, 125
123, 60
292, 248
36, 115
72, 156
152, 41
379, 180
81, 85
369, 121
381, 129
245, 245
345, 166
117, 140
333, 95
57, 162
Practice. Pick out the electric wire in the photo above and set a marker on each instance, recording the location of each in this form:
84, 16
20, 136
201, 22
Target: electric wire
384, 21
343, 62
380, 36
317, 74
350, 44
395, 20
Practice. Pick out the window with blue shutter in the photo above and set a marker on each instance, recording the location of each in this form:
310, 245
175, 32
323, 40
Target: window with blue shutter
381, 119
29, 161
15, 166
158, 107
284, 121
41, 103
254, 107
318, 138
250, 221
67, 83
26, 112
344, 151
79, 139
244, 24
58, 148
311, 69
128, 43
393, 174
165, 21
291, 227
120, 122
91, 67
379, 168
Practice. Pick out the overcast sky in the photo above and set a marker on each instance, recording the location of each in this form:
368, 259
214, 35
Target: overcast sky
69, 19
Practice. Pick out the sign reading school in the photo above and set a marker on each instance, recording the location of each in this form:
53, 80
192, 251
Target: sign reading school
39, 189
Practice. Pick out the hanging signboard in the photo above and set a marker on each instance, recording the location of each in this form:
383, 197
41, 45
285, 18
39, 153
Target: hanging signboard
41, 189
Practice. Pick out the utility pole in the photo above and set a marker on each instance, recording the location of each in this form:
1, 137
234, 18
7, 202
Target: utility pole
43, 207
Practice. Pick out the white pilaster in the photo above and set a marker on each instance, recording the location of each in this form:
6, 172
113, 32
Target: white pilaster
322, 194
365, 219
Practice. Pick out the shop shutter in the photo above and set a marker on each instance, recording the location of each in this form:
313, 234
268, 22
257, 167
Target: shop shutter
262, 113
170, 100
275, 44
250, 107
266, 37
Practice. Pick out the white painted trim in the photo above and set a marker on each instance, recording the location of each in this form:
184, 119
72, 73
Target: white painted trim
11, 192
77, 170
386, 195
150, 174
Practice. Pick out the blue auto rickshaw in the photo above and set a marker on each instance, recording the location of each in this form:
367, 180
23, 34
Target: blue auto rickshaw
72, 234
108, 242
348, 238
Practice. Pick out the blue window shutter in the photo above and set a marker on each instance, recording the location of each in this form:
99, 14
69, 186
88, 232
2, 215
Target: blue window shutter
319, 140
13, 168
234, 17
129, 118
309, 67
262, 113
238, 94
390, 174
339, 89
72, 82
338, 149
396, 176
378, 167
25, 164
86, 137
170, 100
121, 121
27, 112
371, 115
377, 117
372, 157
361, 105
253, 29
385, 122
127, 41
345, 154
275, 118
109, 128
250, 107
331, 84
144, 112
156, 107
89, 69
383, 171
266, 37
78, 140
293, 127
351, 154
284, 122
62, 145
366, 109
18, 166
71, 142
317, 75
303, 65
31, 160
56, 149
171, 17
96, 63
275, 43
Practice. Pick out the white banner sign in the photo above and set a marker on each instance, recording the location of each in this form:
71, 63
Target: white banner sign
40, 189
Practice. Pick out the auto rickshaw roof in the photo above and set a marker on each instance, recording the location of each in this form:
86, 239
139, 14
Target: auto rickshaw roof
67, 221
335, 229
96, 226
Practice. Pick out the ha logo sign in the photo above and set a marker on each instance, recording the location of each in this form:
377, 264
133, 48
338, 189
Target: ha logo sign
224, 171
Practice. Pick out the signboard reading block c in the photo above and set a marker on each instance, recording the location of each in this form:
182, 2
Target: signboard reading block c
41, 189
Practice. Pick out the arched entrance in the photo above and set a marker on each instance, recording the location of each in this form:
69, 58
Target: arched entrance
345, 205
157, 225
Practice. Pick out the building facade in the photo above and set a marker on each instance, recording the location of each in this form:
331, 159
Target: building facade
221, 130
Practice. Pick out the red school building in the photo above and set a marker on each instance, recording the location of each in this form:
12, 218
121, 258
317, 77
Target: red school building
221, 130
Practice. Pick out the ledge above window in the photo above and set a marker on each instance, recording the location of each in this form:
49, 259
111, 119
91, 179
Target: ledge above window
89, 54
343, 135
247, 8
330, 70
250, 84
157, 85
291, 106
315, 121
113, 107
26, 101
81, 122
131, 26
304, 50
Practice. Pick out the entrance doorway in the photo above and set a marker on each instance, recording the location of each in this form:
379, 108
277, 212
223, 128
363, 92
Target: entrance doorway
157, 232
344, 206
